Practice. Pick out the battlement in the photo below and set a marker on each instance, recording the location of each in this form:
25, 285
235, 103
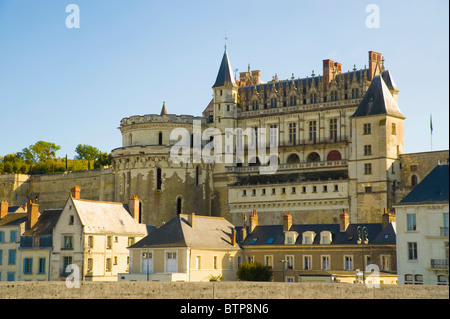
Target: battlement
166, 118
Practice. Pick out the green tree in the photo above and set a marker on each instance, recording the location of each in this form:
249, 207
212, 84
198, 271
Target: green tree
103, 159
87, 152
39, 152
254, 272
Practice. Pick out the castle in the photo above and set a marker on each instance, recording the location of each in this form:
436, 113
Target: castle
340, 139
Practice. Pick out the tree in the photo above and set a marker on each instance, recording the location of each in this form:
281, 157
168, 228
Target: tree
87, 152
39, 152
254, 272
103, 159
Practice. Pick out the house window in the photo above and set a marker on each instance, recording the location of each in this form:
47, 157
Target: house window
108, 264
368, 169
411, 222
67, 260
198, 262
27, 265
325, 262
333, 129
418, 279
115, 260
131, 241
307, 263
367, 129
90, 264
367, 149
385, 263
368, 189
12, 236
71, 220
412, 251
348, 262
108, 242
91, 241
289, 262
41, 269
292, 132
312, 130
268, 260
2, 236
68, 242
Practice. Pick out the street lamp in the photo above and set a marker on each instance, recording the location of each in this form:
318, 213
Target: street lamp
284, 261
363, 234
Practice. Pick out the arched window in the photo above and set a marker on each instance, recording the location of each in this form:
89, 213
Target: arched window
179, 205
334, 156
414, 180
158, 179
313, 157
293, 159
160, 138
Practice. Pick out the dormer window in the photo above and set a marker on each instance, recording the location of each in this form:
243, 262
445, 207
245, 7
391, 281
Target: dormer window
325, 237
290, 237
308, 237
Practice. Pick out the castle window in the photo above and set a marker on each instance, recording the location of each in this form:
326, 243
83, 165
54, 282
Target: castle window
244, 193
394, 129
255, 105
367, 149
160, 138
368, 169
325, 188
273, 191
158, 179
355, 93
293, 101
254, 192
263, 191
220, 95
228, 108
313, 98
313, 157
283, 190
312, 131
368, 189
273, 103
314, 189
367, 129
333, 129
179, 205
197, 175
293, 190
273, 135
292, 132
414, 180
303, 189
334, 95
336, 188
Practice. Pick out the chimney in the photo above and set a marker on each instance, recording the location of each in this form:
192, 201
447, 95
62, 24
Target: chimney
3, 208
344, 220
75, 192
253, 220
243, 233
233, 237
256, 77
287, 221
133, 207
191, 219
328, 70
32, 214
374, 59
387, 218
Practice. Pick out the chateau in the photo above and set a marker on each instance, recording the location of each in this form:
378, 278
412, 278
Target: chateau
340, 139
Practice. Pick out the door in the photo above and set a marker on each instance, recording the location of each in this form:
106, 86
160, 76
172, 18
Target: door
171, 262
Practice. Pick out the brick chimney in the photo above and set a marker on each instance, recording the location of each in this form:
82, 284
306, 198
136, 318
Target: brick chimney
328, 66
191, 219
233, 237
133, 207
344, 220
75, 192
387, 218
287, 221
32, 214
3, 208
253, 220
374, 59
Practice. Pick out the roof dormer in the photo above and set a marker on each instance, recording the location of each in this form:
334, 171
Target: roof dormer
308, 237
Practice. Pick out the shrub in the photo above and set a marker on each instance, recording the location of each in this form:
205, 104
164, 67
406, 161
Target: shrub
254, 272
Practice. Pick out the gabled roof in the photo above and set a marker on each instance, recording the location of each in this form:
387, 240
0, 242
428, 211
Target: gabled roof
272, 235
388, 80
225, 75
208, 232
45, 224
107, 217
13, 219
434, 188
378, 100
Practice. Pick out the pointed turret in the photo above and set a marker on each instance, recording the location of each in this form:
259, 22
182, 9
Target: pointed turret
163, 110
225, 76
378, 100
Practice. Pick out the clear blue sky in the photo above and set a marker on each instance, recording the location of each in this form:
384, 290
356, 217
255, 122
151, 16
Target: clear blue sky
73, 86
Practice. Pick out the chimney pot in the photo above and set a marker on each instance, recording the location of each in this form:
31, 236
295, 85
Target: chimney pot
287, 221
344, 220
75, 192
32, 214
233, 237
387, 218
253, 220
133, 207
3, 208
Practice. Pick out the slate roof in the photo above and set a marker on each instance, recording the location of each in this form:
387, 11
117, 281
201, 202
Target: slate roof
378, 100
45, 224
13, 219
107, 217
225, 75
434, 188
273, 234
291, 177
208, 232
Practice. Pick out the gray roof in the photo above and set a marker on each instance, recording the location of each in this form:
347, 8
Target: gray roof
434, 188
13, 219
378, 100
45, 224
225, 75
208, 232
107, 217
274, 235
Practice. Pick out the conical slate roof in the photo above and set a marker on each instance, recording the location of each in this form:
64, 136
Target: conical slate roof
163, 110
378, 100
225, 75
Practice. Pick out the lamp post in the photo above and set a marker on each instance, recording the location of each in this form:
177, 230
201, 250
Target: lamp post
363, 240
283, 262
